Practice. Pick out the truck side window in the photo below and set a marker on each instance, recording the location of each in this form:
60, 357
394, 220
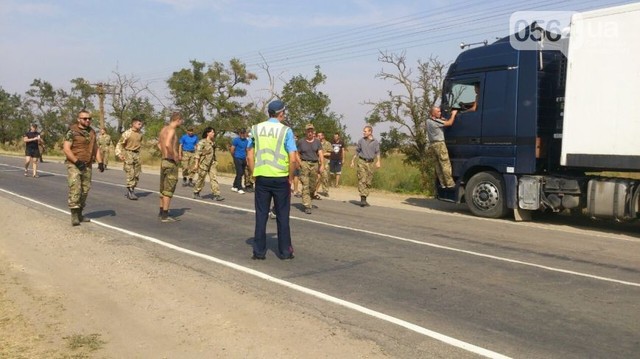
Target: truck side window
464, 96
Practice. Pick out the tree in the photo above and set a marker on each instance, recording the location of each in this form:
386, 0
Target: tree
407, 110
49, 108
306, 104
211, 94
14, 121
126, 99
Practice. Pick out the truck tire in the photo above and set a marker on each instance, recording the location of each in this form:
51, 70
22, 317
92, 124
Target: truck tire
485, 195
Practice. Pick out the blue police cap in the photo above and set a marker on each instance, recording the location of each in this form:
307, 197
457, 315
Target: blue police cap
276, 106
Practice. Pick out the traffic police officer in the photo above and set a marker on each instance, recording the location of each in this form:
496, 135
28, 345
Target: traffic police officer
272, 157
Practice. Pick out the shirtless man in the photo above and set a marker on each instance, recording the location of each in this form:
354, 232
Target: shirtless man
168, 145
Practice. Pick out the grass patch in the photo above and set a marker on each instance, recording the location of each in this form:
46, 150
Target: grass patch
89, 342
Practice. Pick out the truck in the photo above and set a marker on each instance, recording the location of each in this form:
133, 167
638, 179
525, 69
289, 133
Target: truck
549, 132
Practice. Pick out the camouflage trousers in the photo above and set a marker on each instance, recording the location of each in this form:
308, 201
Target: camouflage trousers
443, 165
168, 177
188, 162
212, 172
308, 178
79, 185
323, 182
104, 152
248, 178
365, 176
132, 168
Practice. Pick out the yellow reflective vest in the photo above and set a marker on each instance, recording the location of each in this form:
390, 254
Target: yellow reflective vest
271, 157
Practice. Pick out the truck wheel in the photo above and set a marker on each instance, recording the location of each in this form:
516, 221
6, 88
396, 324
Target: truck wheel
485, 195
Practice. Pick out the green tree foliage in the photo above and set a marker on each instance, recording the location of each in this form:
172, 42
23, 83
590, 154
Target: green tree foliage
49, 108
392, 140
407, 109
14, 119
212, 94
306, 104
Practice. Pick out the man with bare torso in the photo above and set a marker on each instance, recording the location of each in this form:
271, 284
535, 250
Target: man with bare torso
168, 145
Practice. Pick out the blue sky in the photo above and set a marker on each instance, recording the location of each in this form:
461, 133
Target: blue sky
57, 41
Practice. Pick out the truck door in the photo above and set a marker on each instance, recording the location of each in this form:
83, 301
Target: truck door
463, 139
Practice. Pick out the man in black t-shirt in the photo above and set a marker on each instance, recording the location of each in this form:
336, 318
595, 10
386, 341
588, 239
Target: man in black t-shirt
31, 151
337, 157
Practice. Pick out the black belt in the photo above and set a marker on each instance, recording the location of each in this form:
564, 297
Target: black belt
309, 161
170, 160
366, 160
134, 151
190, 151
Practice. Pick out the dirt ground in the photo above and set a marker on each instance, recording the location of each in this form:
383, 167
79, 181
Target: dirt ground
86, 292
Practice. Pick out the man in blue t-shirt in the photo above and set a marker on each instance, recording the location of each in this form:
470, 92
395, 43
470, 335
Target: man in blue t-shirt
239, 153
187, 150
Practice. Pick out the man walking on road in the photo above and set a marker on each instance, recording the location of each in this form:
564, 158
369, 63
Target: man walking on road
272, 157
168, 146
311, 165
367, 151
187, 149
128, 150
104, 145
239, 153
323, 180
337, 157
206, 164
81, 150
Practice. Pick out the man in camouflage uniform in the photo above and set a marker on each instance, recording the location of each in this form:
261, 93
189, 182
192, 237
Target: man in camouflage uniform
435, 134
104, 145
311, 161
128, 150
81, 150
367, 152
323, 182
206, 164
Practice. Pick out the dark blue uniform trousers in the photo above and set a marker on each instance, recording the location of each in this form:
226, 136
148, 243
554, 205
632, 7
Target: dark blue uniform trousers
279, 189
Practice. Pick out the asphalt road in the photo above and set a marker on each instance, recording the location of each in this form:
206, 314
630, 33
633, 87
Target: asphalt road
555, 288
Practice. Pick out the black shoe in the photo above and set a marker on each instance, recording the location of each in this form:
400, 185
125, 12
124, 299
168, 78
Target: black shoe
196, 195
290, 256
191, 184
184, 181
218, 197
131, 195
307, 210
257, 257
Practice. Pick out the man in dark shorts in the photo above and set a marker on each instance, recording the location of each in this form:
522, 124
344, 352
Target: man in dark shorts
31, 151
337, 157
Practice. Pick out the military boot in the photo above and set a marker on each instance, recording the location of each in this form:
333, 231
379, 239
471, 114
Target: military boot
363, 201
81, 216
130, 194
75, 216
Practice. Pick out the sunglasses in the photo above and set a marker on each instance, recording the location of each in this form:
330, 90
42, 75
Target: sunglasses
85, 118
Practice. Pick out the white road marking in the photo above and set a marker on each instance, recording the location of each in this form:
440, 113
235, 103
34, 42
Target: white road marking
331, 299
413, 241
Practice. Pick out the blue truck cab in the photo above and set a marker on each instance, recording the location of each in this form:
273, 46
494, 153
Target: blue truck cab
508, 114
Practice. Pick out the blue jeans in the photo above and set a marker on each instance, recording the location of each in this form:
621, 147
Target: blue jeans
240, 164
279, 189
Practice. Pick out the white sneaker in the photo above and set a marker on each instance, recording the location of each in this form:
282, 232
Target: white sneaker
234, 189
240, 191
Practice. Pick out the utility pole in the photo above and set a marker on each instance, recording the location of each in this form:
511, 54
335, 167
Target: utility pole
100, 88
101, 92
